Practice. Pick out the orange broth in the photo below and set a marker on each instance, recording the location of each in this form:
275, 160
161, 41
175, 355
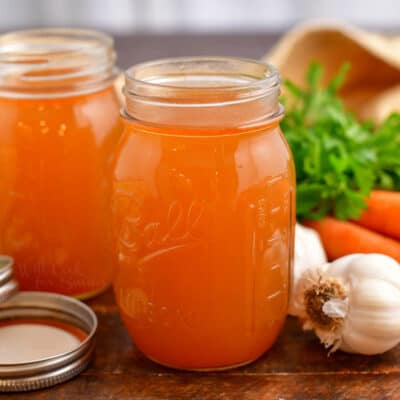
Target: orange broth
55, 155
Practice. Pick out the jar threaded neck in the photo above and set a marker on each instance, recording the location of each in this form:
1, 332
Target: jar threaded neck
55, 62
195, 90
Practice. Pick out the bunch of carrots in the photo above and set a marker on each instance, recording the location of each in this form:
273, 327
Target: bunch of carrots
376, 231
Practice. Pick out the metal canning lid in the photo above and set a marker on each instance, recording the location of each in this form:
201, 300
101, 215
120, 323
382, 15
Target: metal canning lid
45, 338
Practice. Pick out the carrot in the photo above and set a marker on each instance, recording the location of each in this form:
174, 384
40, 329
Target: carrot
383, 213
342, 237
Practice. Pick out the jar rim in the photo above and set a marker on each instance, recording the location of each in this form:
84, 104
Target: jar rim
270, 76
50, 62
47, 32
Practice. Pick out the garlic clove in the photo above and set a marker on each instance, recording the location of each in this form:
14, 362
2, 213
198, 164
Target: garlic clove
367, 265
339, 266
360, 343
381, 329
375, 293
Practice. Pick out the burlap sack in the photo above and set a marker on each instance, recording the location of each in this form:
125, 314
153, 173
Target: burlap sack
372, 89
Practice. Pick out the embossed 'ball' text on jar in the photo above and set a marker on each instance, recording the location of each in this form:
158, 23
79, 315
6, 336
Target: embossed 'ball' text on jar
203, 211
59, 125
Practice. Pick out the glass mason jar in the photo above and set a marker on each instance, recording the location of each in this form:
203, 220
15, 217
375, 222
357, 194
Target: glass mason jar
203, 211
59, 125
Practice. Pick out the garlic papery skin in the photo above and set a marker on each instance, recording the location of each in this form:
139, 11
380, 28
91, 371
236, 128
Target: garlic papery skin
353, 303
308, 253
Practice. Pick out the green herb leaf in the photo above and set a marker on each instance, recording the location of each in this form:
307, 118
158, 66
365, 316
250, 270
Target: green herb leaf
338, 159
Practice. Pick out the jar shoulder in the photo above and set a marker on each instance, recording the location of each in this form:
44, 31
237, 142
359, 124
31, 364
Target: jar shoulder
264, 152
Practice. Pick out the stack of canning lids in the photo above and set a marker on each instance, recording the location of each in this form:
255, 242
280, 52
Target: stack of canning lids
45, 338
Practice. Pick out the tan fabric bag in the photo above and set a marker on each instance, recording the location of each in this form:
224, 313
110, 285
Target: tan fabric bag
372, 89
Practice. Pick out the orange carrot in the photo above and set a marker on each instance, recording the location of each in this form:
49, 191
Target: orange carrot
342, 237
383, 213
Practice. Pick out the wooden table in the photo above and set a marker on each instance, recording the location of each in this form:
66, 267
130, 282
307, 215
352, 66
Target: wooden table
297, 367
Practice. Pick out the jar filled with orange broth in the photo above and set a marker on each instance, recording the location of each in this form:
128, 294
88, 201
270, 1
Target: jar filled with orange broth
59, 125
203, 211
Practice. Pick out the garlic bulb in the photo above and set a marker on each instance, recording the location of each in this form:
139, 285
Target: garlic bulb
308, 253
353, 303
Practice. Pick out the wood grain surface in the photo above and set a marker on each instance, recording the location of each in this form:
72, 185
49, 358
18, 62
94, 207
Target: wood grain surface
297, 367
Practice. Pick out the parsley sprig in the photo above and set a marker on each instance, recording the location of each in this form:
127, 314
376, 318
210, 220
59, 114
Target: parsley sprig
338, 159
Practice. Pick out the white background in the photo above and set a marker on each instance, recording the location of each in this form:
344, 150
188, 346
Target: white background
128, 16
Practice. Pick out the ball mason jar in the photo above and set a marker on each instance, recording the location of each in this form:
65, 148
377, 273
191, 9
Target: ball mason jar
59, 125
203, 211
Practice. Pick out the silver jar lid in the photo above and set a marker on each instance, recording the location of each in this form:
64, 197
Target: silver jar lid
45, 338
